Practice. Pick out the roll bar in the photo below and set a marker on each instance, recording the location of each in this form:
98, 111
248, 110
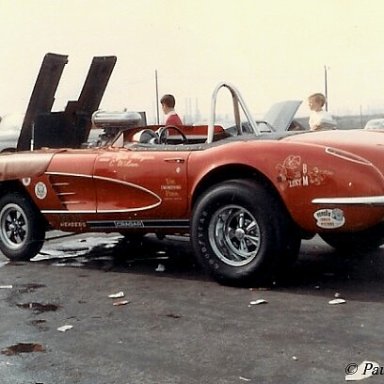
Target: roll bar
238, 101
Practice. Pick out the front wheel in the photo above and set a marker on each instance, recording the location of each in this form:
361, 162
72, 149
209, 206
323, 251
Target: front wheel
235, 232
21, 228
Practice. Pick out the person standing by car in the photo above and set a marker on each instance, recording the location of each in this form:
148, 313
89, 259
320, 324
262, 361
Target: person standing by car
318, 118
170, 116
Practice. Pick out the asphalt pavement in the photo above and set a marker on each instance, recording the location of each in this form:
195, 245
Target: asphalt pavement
167, 322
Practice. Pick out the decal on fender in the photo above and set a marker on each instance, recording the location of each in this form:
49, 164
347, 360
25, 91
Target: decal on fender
295, 173
329, 218
171, 189
72, 224
40, 190
128, 224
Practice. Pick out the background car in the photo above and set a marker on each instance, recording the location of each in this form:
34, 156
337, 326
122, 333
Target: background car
374, 124
10, 127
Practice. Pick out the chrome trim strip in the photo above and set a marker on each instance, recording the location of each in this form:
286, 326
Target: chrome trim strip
61, 211
68, 174
128, 210
363, 200
347, 156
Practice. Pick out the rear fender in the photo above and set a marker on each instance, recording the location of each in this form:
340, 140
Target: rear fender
311, 172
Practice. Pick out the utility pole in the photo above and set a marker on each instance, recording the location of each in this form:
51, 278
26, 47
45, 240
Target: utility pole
326, 87
157, 98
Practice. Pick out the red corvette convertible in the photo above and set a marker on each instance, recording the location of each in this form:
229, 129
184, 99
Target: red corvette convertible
246, 195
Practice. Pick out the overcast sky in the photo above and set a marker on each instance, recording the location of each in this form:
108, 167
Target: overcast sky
270, 49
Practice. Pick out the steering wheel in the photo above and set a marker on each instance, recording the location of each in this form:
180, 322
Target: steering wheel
163, 134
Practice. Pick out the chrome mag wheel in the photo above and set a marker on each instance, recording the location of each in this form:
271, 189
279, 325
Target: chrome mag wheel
22, 229
234, 235
13, 226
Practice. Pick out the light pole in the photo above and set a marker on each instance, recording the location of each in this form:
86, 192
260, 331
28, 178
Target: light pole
326, 87
157, 97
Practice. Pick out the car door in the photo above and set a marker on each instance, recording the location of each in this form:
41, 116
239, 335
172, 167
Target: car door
142, 184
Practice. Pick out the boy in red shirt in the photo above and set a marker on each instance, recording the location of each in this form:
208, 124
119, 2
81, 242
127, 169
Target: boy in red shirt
170, 116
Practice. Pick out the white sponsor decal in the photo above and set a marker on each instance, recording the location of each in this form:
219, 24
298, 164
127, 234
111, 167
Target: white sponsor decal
329, 218
41, 190
70, 224
129, 224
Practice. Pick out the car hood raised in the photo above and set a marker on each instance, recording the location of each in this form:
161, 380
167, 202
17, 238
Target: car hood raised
280, 115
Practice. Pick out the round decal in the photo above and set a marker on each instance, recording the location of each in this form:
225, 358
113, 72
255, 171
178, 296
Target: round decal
329, 218
40, 190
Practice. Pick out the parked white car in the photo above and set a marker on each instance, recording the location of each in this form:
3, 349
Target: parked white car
10, 126
375, 124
